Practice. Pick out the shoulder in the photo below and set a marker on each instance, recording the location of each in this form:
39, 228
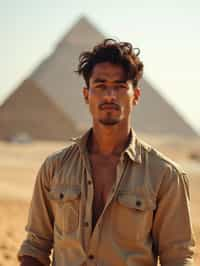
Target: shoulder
159, 160
164, 173
58, 158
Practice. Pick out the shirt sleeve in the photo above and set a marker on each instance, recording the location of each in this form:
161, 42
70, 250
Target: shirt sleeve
38, 242
29, 261
172, 228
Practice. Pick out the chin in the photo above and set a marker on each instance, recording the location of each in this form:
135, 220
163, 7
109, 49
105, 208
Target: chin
109, 122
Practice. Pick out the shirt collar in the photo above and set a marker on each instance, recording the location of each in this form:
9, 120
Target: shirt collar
133, 149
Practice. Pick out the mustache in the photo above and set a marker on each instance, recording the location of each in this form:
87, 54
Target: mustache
111, 105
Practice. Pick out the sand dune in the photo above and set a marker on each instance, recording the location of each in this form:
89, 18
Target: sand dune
19, 164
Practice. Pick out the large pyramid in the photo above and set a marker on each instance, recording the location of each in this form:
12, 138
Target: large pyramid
55, 82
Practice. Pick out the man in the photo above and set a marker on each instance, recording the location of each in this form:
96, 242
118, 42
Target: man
109, 199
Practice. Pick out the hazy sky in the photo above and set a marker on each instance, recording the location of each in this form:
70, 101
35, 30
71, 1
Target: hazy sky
167, 32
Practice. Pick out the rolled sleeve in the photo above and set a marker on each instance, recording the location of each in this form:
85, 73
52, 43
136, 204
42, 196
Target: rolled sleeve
39, 228
172, 227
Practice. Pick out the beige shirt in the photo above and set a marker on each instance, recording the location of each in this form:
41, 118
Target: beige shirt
146, 215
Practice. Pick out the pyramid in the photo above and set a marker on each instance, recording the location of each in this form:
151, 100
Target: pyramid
60, 88
28, 112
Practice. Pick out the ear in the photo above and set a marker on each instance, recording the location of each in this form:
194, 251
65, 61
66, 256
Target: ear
137, 94
85, 94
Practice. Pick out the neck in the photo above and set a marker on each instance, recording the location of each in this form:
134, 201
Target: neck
109, 140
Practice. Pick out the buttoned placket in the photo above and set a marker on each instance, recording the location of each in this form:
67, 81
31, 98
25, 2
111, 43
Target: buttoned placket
93, 237
89, 201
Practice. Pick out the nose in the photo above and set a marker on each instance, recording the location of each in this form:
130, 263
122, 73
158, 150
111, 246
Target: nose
110, 94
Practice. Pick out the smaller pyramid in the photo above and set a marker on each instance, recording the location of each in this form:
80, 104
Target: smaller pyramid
28, 111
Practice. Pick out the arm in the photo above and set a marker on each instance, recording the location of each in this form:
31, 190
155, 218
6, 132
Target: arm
30, 261
39, 239
172, 228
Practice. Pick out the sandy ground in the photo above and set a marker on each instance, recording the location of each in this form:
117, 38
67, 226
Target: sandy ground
19, 164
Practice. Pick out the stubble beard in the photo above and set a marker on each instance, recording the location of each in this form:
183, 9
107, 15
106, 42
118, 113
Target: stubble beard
109, 121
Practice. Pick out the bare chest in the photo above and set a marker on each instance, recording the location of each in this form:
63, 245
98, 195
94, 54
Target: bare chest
104, 177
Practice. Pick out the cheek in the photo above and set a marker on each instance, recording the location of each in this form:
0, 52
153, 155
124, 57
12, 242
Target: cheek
131, 101
128, 103
129, 107
93, 104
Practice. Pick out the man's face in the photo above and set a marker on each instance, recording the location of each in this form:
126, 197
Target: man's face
110, 96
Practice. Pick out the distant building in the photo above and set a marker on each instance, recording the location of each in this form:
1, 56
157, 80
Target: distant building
49, 104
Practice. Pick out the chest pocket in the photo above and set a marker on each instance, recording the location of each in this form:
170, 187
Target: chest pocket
66, 200
132, 217
137, 202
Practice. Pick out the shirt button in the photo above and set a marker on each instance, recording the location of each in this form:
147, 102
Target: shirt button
89, 182
138, 203
61, 195
86, 224
91, 257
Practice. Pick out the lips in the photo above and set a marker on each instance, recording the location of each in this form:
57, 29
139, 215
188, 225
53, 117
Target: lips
109, 106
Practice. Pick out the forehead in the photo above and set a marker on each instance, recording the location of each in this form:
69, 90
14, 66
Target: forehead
108, 71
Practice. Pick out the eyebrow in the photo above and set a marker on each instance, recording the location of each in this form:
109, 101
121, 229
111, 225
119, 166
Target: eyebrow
119, 81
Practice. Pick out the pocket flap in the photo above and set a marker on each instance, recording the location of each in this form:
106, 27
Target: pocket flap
137, 202
65, 193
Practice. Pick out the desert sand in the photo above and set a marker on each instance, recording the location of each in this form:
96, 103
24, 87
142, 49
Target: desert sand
19, 164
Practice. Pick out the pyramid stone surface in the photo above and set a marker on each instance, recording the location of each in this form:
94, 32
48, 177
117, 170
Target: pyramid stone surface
55, 80
29, 111
154, 115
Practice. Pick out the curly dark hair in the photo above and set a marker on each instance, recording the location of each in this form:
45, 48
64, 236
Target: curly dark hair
115, 52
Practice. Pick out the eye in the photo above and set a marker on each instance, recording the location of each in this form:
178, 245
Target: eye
101, 86
120, 86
